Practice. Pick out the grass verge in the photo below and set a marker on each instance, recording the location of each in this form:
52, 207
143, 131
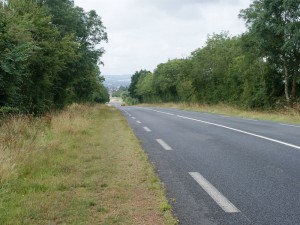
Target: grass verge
81, 166
287, 115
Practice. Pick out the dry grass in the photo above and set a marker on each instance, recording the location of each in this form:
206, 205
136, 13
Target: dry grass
287, 115
18, 137
81, 166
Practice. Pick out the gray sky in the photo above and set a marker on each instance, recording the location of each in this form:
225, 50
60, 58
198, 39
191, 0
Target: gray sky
144, 33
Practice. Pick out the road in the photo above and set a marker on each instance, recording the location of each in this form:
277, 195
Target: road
222, 170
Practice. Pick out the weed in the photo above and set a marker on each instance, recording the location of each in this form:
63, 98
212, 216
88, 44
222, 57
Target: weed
91, 203
63, 168
165, 206
61, 187
101, 209
104, 185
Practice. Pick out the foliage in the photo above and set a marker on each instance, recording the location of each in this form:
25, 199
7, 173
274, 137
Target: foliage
134, 80
255, 70
225, 70
119, 92
275, 26
49, 55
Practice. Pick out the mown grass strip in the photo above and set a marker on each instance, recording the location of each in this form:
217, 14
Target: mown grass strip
80, 166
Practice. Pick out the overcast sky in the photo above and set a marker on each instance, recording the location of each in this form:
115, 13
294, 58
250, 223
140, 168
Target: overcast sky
144, 33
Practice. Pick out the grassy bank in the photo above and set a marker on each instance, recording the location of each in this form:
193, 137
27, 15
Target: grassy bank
81, 166
287, 115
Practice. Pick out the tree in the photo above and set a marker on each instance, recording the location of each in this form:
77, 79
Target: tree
275, 26
144, 88
168, 78
49, 55
88, 32
210, 65
120, 91
33, 56
134, 81
16, 46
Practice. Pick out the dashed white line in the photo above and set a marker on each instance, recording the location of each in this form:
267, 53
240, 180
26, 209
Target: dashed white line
290, 125
147, 129
244, 132
217, 196
133, 118
138, 121
164, 144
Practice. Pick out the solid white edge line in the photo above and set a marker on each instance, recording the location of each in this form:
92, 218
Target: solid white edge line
164, 144
164, 112
217, 196
244, 132
147, 129
237, 130
250, 119
290, 125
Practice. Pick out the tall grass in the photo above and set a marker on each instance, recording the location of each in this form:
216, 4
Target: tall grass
68, 168
18, 135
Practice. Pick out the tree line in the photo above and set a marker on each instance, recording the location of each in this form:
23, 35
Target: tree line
258, 69
49, 55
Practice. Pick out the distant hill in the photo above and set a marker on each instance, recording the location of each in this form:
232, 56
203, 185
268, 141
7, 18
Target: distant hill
113, 82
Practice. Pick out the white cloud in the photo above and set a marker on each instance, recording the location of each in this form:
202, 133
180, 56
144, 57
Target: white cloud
144, 33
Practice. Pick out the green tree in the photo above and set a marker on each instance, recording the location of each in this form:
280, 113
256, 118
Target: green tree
275, 27
144, 88
49, 56
168, 77
210, 66
35, 54
87, 29
120, 91
16, 46
134, 81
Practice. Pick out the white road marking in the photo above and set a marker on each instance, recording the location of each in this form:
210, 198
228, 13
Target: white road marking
164, 112
290, 125
127, 113
138, 121
164, 144
224, 116
133, 118
147, 129
217, 196
250, 119
244, 132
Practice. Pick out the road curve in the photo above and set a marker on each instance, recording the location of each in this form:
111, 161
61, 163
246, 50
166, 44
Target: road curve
222, 170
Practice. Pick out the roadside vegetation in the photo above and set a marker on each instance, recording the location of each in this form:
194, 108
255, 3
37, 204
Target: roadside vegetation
258, 70
49, 56
79, 166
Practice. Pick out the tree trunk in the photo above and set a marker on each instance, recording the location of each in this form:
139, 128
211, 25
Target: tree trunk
294, 86
286, 84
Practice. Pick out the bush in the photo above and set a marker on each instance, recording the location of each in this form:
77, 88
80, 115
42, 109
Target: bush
6, 110
131, 101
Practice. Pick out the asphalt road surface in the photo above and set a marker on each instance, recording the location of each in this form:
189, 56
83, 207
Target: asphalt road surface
222, 170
